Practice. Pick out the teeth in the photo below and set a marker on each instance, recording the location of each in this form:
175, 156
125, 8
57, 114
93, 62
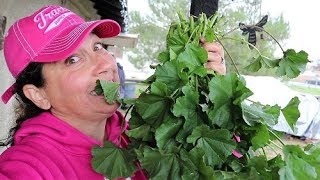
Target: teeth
93, 93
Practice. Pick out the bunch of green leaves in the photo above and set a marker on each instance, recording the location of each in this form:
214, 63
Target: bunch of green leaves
194, 124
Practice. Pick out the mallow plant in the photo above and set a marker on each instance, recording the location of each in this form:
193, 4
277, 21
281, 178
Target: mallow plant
191, 123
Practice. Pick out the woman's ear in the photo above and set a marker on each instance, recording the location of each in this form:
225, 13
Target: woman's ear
37, 96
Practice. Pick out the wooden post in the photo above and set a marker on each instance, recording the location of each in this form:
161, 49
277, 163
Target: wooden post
3, 22
209, 7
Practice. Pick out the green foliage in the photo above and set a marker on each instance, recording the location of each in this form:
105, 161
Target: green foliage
193, 124
300, 164
109, 158
291, 65
152, 30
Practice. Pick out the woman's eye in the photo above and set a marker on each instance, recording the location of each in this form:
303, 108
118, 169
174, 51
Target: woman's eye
72, 60
98, 46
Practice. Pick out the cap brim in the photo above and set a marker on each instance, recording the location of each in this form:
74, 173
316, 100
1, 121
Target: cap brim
64, 44
7, 94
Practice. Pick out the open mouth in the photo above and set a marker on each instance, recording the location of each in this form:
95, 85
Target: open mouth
97, 91
94, 93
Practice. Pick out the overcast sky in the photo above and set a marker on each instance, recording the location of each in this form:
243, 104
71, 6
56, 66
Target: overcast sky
303, 18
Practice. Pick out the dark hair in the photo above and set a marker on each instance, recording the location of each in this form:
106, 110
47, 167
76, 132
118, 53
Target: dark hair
25, 108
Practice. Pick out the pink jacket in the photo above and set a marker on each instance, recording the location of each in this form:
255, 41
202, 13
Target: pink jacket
48, 148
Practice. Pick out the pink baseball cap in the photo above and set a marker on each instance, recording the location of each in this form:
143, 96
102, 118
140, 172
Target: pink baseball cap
50, 34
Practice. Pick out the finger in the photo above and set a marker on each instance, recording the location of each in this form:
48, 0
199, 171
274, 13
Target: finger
215, 57
212, 47
219, 68
202, 40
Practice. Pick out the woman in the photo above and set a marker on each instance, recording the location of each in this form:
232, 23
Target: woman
56, 58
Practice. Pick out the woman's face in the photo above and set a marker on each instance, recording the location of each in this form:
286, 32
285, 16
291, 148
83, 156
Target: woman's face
70, 83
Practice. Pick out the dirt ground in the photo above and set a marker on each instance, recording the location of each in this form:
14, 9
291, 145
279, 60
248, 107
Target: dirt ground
272, 150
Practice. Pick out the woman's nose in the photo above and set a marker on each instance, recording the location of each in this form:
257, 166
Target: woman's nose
103, 63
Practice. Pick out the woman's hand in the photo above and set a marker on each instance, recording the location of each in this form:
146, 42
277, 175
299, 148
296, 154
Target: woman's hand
215, 56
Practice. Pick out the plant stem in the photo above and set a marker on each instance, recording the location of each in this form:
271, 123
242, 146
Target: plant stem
197, 83
175, 93
264, 152
122, 130
275, 135
208, 79
195, 29
232, 30
275, 144
247, 157
244, 41
127, 112
273, 149
262, 29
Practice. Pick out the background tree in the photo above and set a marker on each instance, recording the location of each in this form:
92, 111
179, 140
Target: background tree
249, 12
153, 28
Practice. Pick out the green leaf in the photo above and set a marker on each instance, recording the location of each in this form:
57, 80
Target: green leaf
226, 93
160, 165
135, 119
261, 137
164, 56
261, 61
274, 111
98, 88
112, 161
127, 101
269, 63
172, 55
159, 88
223, 89
110, 90
241, 92
187, 104
142, 132
210, 36
166, 131
236, 165
299, 165
153, 108
189, 170
175, 42
194, 58
260, 164
197, 157
274, 165
255, 65
311, 148
266, 169
171, 74
258, 113
217, 144
291, 111
223, 175
292, 63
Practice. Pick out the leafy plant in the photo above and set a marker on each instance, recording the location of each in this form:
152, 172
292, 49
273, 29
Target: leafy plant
191, 123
